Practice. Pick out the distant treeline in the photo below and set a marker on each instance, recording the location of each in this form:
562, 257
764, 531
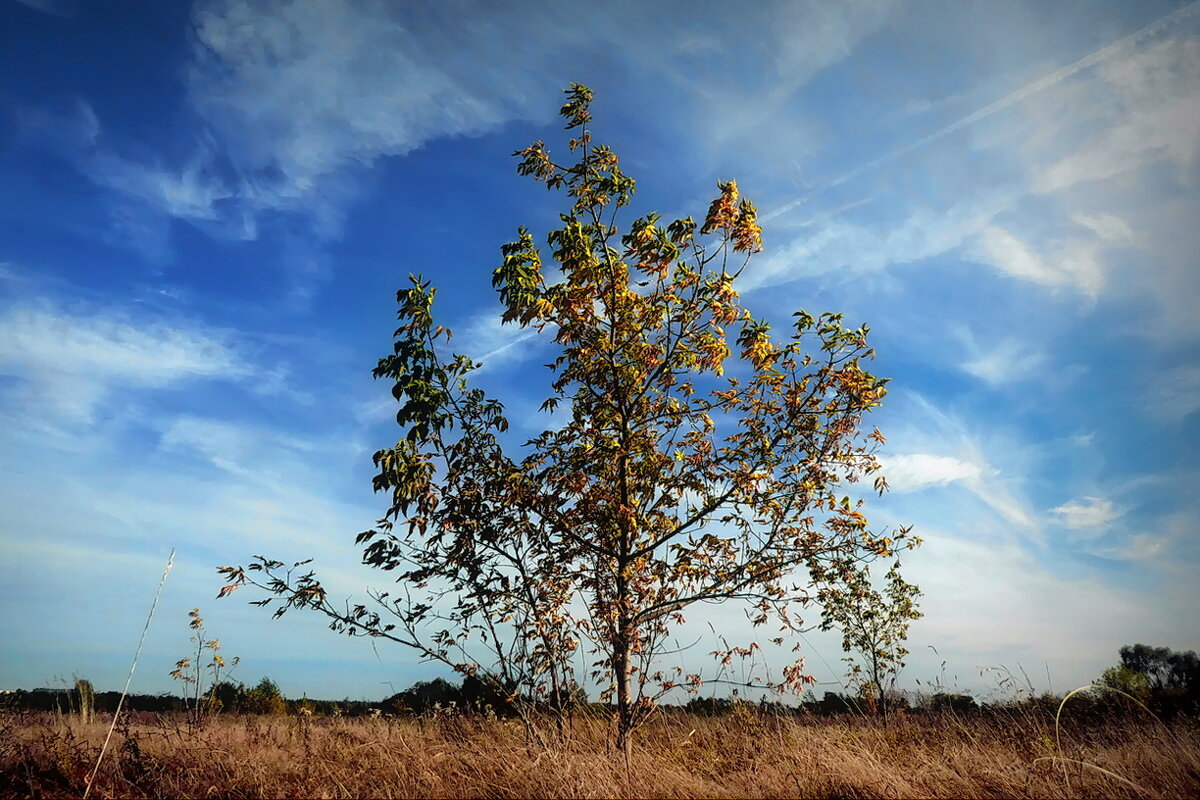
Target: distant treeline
439, 695
424, 697
67, 702
1163, 681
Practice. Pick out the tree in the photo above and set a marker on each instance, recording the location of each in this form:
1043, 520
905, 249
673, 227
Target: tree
1162, 667
229, 696
953, 702
874, 627
670, 485
423, 696
265, 698
1170, 678
484, 696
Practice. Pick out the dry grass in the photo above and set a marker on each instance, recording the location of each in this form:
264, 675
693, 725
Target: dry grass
740, 755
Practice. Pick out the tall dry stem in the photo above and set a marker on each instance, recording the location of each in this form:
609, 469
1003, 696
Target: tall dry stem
129, 678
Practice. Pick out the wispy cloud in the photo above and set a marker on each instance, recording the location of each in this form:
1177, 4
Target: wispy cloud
69, 362
1008, 361
303, 92
843, 245
1074, 263
294, 103
116, 515
236, 449
189, 193
1174, 394
296, 89
1002, 605
1150, 100
146, 192
487, 340
1108, 228
944, 451
1104, 54
57, 8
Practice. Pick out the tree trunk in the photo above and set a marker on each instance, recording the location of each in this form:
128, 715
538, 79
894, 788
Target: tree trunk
624, 701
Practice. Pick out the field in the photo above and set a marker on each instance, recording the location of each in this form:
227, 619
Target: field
743, 754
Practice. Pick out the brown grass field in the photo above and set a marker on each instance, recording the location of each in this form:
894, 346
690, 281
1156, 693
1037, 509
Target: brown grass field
744, 754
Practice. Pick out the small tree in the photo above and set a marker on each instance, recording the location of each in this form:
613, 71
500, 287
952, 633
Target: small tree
874, 627
671, 484
86, 696
191, 670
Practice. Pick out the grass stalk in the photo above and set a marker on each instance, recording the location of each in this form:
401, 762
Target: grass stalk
129, 678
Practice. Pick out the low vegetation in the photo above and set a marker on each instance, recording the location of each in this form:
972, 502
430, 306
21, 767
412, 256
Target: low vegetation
1013, 751
1136, 733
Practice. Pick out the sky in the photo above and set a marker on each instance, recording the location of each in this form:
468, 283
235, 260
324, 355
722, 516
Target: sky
206, 210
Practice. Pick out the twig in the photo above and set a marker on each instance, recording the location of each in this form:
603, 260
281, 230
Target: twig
88, 785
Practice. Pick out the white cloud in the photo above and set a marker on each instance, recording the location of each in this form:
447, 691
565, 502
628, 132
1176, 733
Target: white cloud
116, 514
1132, 103
70, 362
296, 101
1165, 542
924, 105
1110, 57
147, 192
1087, 512
1143, 547
1074, 263
995, 489
1110, 160
915, 471
791, 42
1011, 255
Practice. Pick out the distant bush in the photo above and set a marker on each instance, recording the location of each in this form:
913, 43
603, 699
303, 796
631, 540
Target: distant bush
265, 698
957, 703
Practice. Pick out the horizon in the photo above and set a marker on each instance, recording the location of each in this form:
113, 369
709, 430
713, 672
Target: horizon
209, 207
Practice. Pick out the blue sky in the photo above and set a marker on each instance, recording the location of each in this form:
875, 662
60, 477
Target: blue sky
206, 209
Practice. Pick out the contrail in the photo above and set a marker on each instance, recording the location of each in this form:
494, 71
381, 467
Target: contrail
1025, 91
